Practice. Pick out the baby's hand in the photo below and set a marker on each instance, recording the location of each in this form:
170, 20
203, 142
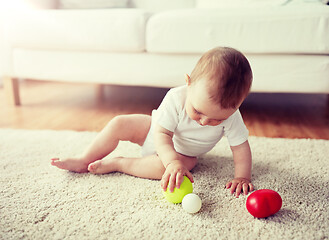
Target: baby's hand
240, 184
174, 175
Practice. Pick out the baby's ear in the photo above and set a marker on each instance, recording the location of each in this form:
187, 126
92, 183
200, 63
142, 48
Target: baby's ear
187, 79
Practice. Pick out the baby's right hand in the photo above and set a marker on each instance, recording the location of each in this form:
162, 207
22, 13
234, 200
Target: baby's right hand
174, 175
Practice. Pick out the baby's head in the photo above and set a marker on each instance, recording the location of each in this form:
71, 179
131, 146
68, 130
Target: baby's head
218, 84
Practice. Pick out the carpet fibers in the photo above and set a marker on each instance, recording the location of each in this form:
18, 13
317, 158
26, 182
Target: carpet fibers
39, 201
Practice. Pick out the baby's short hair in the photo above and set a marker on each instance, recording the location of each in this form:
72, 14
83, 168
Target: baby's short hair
228, 73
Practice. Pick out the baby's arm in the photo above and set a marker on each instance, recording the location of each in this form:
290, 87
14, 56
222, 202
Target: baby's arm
242, 170
175, 168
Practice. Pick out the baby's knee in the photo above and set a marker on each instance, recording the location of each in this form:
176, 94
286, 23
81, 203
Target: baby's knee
133, 127
118, 121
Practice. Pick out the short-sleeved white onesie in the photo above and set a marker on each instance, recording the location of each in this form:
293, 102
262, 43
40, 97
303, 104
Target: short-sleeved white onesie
190, 138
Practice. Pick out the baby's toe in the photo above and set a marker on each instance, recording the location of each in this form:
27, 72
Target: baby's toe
58, 163
93, 167
53, 160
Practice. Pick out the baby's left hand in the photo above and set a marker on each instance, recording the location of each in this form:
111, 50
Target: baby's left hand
240, 184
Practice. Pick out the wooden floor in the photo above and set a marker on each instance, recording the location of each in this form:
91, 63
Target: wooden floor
48, 105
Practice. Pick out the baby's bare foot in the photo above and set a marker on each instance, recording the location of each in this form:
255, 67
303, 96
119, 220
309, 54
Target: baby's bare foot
104, 166
78, 165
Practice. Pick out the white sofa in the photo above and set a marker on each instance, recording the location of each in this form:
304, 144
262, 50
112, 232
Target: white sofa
154, 43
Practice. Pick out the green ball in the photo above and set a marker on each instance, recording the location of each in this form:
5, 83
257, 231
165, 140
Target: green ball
179, 193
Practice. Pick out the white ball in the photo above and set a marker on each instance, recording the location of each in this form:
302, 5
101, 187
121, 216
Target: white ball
191, 203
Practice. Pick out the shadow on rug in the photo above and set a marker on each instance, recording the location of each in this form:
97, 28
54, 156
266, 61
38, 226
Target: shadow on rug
39, 201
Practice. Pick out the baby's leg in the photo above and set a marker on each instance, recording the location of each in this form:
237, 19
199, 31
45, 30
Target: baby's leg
132, 128
150, 167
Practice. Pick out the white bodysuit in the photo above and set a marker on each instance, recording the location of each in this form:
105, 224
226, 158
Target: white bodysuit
190, 138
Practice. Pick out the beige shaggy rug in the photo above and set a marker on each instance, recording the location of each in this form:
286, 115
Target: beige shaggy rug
39, 201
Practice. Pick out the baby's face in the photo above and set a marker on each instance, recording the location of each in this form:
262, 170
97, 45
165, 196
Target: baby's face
201, 109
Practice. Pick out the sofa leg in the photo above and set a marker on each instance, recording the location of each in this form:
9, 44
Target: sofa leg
12, 90
327, 107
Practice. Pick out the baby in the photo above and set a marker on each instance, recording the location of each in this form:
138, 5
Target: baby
189, 122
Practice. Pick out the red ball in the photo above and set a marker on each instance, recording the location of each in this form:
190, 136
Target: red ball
263, 203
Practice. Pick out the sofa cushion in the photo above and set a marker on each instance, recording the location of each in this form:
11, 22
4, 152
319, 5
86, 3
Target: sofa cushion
283, 29
41, 4
80, 4
101, 30
161, 5
238, 3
